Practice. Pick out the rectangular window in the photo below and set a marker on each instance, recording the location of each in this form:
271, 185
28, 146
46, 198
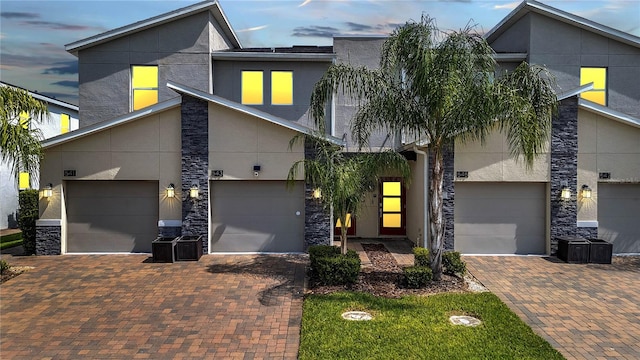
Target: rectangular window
23, 181
65, 123
252, 88
282, 88
144, 86
24, 119
598, 76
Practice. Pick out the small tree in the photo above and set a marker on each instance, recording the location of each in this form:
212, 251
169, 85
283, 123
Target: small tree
344, 179
20, 142
438, 88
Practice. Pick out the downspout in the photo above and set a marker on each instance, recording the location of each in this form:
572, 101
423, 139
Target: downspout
425, 228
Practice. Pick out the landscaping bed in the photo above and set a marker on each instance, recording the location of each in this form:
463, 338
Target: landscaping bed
385, 278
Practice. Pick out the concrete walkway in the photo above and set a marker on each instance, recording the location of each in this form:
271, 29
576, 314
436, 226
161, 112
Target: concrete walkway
126, 307
586, 311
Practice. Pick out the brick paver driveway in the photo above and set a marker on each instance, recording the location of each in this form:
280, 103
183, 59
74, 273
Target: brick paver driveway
125, 307
586, 311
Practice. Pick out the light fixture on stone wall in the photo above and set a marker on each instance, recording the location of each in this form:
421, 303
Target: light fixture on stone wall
47, 192
193, 192
256, 170
566, 193
317, 193
171, 191
586, 192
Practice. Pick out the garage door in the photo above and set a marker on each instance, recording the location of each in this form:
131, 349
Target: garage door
500, 218
619, 215
256, 216
111, 216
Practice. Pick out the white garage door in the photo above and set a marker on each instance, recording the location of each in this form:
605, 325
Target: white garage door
257, 216
500, 218
619, 216
111, 216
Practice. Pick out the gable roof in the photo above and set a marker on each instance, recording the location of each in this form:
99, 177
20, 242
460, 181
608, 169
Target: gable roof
44, 98
209, 5
104, 125
528, 6
182, 89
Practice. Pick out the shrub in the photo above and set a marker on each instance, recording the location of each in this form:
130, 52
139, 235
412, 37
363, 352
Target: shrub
330, 267
4, 266
417, 276
453, 264
28, 200
421, 256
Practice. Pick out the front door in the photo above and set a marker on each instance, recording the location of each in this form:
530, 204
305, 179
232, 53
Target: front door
391, 207
351, 226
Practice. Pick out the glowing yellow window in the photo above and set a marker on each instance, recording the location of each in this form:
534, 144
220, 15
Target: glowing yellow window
23, 181
598, 76
144, 86
252, 92
282, 88
65, 123
24, 119
339, 223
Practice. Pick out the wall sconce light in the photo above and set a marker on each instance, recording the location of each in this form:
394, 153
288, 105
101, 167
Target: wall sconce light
586, 192
256, 170
171, 191
47, 192
317, 193
193, 192
566, 193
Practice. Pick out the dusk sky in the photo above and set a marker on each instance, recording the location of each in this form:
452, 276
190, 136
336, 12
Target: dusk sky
33, 33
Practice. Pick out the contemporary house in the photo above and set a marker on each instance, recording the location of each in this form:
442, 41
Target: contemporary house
63, 117
184, 131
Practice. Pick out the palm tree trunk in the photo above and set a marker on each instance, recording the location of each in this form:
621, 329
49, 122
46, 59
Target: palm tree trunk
436, 225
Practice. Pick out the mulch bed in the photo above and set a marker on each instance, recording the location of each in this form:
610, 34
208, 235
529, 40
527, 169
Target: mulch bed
384, 278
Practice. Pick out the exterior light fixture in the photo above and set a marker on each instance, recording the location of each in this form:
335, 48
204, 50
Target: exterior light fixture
193, 192
47, 192
566, 193
171, 191
256, 170
586, 192
317, 193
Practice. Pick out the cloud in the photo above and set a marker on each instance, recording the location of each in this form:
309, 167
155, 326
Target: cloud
509, 6
255, 28
67, 83
19, 15
63, 68
315, 31
59, 26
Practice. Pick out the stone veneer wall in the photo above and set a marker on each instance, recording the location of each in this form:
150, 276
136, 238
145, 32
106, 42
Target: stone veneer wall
587, 232
448, 188
195, 168
564, 171
317, 221
48, 240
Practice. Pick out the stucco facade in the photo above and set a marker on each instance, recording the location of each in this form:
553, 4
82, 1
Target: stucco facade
200, 135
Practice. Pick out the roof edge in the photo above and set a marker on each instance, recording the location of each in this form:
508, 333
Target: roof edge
183, 89
211, 5
231, 55
566, 17
45, 98
104, 125
575, 92
608, 112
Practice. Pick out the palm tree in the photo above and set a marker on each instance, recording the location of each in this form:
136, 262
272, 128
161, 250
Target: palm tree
437, 88
343, 179
20, 142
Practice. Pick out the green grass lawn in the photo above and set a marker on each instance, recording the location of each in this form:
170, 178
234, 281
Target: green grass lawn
417, 328
12, 240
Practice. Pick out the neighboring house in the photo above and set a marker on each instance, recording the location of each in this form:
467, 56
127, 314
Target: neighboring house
63, 117
174, 103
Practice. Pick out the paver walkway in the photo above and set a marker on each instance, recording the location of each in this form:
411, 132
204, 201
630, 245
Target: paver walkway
586, 311
125, 307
